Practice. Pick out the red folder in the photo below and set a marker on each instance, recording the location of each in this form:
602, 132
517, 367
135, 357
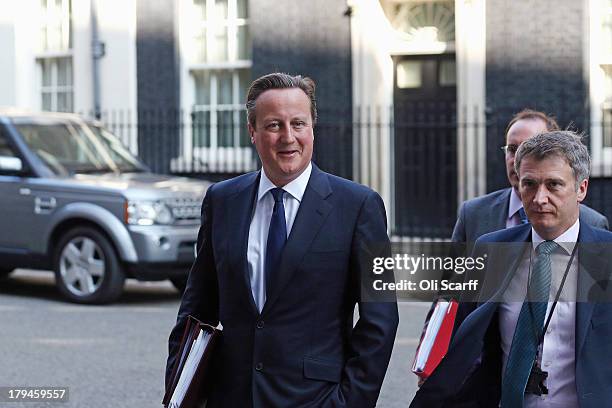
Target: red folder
435, 341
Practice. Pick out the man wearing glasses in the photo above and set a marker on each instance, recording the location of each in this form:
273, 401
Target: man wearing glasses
503, 208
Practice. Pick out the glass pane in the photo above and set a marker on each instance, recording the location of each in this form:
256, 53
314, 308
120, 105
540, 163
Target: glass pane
69, 102
243, 11
43, 38
202, 87
220, 10
224, 87
46, 102
200, 9
608, 81
63, 102
46, 67
448, 73
242, 129
54, 38
409, 74
64, 72
201, 129
607, 127
64, 38
225, 128
244, 45
244, 81
200, 46
220, 39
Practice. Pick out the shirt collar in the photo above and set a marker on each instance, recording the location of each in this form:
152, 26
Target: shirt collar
296, 188
515, 203
567, 240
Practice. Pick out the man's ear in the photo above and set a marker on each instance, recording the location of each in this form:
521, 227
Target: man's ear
582, 190
251, 133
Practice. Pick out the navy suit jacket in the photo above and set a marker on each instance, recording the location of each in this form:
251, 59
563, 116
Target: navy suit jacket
470, 374
302, 349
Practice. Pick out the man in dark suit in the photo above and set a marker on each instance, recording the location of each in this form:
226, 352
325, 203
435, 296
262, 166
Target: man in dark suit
503, 208
281, 257
518, 347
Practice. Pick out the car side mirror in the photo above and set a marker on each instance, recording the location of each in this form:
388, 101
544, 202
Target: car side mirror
10, 164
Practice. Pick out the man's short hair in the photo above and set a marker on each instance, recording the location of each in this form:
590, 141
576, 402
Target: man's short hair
530, 114
561, 143
280, 80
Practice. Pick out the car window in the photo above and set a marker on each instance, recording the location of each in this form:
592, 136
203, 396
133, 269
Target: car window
74, 148
5, 148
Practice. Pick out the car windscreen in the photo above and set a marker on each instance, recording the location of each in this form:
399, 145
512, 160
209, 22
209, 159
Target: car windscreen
69, 148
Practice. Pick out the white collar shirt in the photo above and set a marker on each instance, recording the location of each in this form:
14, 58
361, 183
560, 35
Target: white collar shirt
514, 205
260, 225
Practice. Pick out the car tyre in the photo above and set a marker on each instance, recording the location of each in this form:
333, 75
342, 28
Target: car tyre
87, 268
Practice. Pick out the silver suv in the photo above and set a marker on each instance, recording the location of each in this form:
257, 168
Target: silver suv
74, 200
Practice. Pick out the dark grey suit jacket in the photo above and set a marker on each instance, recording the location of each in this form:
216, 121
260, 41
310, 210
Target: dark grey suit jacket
488, 213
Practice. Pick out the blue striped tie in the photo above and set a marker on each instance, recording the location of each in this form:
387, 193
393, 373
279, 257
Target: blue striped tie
525, 342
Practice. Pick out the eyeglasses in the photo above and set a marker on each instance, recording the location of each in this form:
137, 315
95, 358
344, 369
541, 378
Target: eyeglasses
509, 149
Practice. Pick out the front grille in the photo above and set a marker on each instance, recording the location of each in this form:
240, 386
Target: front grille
186, 210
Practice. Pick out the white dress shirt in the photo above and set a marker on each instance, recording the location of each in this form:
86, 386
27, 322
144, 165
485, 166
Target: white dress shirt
557, 354
514, 205
260, 224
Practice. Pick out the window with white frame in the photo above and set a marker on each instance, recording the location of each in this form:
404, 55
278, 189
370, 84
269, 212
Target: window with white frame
216, 69
218, 115
55, 56
220, 72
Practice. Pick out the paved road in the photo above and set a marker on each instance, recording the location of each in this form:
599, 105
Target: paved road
114, 356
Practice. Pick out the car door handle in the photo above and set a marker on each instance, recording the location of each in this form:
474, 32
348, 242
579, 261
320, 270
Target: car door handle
44, 205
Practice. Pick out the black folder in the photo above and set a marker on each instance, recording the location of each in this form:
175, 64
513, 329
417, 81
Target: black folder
194, 365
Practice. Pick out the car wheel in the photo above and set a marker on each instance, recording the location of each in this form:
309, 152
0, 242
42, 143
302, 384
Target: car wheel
87, 269
179, 283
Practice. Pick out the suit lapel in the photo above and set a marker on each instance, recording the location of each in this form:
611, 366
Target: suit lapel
239, 208
500, 210
593, 269
510, 252
311, 215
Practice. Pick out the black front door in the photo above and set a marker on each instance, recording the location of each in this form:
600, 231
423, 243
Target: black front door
425, 132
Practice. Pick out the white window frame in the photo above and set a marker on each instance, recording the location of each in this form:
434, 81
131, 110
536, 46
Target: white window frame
54, 89
47, 24
210, 158
598, 59
52, 56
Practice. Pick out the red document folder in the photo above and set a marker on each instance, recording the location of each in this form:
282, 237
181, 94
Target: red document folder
435, 341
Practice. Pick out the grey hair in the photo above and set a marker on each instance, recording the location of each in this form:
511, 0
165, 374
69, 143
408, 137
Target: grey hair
280, 80
561, 143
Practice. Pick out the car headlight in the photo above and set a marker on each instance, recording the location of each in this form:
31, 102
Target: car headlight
148, 213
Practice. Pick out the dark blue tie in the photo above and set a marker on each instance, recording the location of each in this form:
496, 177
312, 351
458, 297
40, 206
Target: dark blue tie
528, 329
277, 236
523, 216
